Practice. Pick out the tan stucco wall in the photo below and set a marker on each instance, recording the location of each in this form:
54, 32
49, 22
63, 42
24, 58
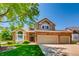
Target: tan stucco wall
48, 37
14, 36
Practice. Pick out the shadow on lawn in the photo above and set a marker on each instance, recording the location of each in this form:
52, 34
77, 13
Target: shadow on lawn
23, 50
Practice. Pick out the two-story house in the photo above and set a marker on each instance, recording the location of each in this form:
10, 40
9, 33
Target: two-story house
44, 32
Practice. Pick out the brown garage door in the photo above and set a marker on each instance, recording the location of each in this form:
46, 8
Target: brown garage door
47, 39
64, 39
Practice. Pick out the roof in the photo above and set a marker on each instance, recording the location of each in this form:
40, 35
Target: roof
46, 19
53, 31
75, 29
72, 28
62, 31
18, 30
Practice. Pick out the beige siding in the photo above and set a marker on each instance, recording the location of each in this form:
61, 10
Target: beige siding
64, 39
47, 39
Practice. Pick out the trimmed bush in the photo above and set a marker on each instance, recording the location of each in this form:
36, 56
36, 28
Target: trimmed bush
10, 42
26, 42
74, 42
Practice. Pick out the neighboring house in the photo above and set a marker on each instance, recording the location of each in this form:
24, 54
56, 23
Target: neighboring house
43, 33
75, 35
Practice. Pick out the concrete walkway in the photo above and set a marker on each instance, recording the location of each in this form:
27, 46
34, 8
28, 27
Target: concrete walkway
60, 49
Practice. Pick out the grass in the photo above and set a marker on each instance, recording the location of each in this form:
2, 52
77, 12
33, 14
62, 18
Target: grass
24, 50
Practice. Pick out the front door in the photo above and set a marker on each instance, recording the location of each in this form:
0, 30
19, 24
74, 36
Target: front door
32, 37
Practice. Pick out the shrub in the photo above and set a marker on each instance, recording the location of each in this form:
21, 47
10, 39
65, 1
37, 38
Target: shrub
74, 42
10, 42
5, 35
26, 42
18, 45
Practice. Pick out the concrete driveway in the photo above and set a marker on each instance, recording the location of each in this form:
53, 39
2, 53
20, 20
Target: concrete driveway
60, 49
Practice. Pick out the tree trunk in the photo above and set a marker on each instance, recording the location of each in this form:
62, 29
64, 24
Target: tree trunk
0, 44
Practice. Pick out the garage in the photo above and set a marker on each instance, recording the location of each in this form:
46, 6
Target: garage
47, 39
64, 39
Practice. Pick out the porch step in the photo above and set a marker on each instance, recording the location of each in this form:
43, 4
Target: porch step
32, 43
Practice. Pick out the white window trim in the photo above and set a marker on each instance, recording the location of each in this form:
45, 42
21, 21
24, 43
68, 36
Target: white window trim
44, 26
17, 36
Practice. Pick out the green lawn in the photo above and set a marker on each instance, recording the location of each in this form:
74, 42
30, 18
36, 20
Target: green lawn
24, 50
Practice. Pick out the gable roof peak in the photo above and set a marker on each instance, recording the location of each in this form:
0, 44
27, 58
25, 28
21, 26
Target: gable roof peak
46, 20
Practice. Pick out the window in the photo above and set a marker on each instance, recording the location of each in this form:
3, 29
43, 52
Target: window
42, 27
45, 27
20, 32
20, 35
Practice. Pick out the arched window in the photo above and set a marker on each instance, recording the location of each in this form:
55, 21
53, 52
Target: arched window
20, 35
20, 32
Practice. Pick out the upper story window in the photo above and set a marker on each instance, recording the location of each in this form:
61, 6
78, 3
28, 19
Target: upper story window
45, 27
42, 27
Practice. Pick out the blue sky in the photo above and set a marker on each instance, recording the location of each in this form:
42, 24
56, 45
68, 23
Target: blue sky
62, 14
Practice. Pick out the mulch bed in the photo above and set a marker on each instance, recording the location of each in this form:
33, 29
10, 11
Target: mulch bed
3, 48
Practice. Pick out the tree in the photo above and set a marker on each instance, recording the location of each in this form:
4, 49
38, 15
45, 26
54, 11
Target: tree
18, 14
5, 34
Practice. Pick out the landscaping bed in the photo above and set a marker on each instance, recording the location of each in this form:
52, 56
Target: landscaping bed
23, 50
3, 48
